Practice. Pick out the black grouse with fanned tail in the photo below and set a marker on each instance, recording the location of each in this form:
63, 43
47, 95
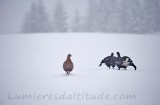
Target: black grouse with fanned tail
109, 61
124, 62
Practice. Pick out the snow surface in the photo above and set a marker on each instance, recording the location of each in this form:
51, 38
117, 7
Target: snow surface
31, 64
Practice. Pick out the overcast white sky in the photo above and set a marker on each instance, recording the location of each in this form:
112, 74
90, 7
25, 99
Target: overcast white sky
12, 12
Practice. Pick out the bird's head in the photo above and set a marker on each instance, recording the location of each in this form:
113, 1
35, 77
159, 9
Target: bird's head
69, 55
112, 54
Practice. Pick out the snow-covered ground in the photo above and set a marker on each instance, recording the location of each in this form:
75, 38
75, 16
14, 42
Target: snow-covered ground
31, 70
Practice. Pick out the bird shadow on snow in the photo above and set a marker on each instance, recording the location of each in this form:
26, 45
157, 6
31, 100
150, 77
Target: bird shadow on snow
65, 75
116, 70
73, 75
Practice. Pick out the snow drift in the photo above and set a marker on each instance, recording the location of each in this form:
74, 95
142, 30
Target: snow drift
32, 72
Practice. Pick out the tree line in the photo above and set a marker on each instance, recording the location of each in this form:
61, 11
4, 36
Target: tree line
116, 16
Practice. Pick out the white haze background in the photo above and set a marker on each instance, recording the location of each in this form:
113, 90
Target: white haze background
32, 63
12, 12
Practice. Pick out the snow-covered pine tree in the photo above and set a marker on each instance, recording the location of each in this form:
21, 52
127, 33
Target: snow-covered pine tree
43, 17
125, 16
59, 18
28, 25
91, 19
140, 16
103, 14
76, 22
151, 16
108, 16
133, 16
36, 20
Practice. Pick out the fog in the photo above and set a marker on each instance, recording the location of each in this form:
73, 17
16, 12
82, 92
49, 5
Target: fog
12, 12
105, 16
